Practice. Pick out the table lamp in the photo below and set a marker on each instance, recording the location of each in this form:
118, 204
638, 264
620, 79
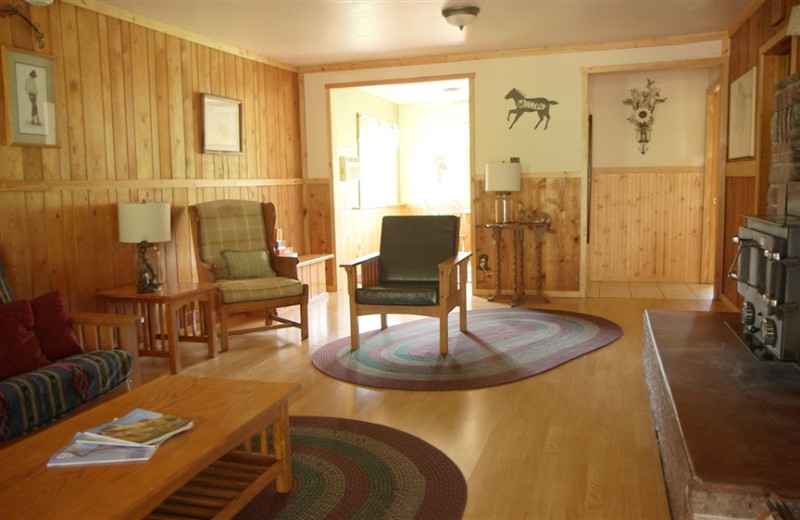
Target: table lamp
503, 178
146, 224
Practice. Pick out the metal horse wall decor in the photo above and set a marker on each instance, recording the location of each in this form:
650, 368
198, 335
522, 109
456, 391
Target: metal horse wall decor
540, 105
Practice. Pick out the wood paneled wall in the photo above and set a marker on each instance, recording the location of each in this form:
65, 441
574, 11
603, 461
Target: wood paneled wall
646, 225
738, 202
556, 195
766, 21
744, 184
129, 128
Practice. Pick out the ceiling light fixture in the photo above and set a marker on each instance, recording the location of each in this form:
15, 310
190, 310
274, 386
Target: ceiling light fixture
460, 16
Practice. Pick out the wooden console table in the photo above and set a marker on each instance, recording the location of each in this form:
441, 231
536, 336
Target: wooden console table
518, 259
727, 424
182, 478
163, 320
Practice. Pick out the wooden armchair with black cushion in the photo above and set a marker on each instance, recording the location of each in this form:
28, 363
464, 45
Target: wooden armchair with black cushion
417, 271
234, 243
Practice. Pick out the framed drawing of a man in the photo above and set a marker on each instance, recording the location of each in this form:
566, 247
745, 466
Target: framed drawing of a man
29, 96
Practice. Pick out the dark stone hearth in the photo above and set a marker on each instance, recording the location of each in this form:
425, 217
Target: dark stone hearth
726, 422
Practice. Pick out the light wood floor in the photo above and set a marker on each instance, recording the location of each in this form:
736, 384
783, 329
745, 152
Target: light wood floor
676, 291
574, 442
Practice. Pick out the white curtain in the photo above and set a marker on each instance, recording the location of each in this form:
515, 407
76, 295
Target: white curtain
378, 142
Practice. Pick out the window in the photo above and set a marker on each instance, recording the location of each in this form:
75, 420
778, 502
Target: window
378, 142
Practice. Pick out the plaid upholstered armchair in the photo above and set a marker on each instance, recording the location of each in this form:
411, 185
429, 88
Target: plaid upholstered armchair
234, 245
417, 271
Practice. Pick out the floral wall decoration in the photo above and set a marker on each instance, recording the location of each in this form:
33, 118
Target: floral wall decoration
643, 104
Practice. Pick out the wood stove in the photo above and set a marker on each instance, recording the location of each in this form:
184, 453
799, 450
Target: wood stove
767, 272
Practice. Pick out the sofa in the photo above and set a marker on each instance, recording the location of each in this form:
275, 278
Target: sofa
53, 362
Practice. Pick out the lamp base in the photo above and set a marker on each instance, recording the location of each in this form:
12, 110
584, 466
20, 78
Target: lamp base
150, 268
503, 208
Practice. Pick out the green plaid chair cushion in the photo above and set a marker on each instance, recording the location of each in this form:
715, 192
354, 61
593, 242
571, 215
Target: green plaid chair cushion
229, 225
256, 289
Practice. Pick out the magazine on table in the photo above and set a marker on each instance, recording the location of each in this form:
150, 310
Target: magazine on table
137, 428
83, 453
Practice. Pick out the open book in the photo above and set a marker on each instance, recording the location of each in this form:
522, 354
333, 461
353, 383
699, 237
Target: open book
137, 428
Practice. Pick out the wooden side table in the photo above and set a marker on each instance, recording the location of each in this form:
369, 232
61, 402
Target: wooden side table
164, 325
311, 271
518, 259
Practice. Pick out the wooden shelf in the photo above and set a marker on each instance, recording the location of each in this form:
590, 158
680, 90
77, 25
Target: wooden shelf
222, 490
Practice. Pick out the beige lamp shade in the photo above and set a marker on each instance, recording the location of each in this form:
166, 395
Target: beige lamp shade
144, 222
503, 176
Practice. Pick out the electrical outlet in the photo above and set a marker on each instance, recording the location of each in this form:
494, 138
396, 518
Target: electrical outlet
483, 264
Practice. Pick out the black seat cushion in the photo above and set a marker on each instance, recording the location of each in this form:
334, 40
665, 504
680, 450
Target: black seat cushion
399, 294
412, 246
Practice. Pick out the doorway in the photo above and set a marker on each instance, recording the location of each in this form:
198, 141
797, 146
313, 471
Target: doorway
651, 204
433, 157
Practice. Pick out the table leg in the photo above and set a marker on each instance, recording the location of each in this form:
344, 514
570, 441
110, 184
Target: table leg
496, 238
151, 318
173, 338
516, 282
538, 259
283, 450
211, 323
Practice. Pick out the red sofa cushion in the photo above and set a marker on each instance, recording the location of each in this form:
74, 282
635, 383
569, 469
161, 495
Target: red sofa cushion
19, 347
51, 323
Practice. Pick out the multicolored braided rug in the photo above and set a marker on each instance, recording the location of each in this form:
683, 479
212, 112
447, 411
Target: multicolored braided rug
501, 346
343, 469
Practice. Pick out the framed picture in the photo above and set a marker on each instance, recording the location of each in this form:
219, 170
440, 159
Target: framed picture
742, 117
29, 96
222, 125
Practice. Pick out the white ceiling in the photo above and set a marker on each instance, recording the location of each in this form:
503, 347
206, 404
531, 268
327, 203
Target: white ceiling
306, 33
438, 91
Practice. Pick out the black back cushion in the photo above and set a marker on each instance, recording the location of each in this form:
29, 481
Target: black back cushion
412, 246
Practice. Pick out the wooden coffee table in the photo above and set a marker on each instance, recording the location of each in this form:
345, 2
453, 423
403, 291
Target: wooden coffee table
225, 414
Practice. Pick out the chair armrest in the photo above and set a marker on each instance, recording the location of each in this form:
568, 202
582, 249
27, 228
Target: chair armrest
102, 331
368, 272
460, 258
206, 272
360, 260
285, 266
448, 281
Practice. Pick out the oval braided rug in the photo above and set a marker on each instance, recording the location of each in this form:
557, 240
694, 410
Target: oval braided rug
343, 468
501, 346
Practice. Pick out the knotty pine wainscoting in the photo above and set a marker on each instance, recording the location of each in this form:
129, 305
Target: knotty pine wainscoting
646, 225
558, 195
